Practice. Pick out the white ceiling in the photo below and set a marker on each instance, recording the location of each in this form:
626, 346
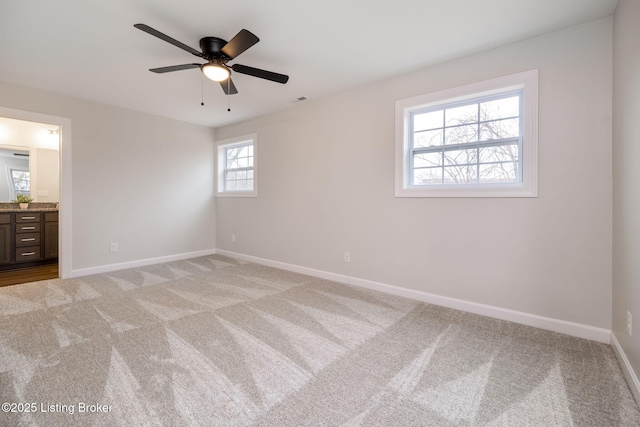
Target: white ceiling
90, 49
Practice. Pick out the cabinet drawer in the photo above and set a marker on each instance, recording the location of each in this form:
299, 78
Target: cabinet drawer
5, 218
30, 253
27, 217
28, 227
27, 239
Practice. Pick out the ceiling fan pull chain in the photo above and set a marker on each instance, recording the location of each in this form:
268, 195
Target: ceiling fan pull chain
202, 89
229, 94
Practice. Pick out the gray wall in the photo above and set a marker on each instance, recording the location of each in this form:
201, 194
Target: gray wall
326, 185
626, 178
141, 181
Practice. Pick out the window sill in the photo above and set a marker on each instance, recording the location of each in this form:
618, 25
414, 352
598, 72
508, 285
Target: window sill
237, 194
515, 190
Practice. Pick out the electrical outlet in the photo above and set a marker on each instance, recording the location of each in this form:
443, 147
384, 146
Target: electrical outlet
233, 238
629, 323
114, 247
347, 257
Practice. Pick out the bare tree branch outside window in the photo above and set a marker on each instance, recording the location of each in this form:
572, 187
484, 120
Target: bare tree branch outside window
473, 143
238, 171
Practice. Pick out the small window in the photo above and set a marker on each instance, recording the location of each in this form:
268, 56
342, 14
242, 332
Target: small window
236, 174
21, 182
474, 141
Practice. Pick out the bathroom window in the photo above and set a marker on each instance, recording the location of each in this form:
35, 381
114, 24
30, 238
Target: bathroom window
21, 181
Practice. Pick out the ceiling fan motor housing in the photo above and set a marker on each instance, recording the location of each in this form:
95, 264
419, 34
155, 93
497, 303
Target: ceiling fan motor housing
211, 48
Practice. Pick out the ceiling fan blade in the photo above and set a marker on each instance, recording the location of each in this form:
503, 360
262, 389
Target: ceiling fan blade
263, 74
147, 29
239, 43
228, 87
174, 68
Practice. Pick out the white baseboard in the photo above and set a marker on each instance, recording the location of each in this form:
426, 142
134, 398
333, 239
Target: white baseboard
627, 369
561, 326
139, 263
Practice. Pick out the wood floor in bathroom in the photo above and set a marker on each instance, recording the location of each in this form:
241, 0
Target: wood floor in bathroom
29, 274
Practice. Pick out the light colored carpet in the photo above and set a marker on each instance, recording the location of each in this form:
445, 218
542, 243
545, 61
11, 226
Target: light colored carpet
216, 342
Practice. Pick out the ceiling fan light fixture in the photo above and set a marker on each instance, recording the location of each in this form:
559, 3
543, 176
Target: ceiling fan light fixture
215, 72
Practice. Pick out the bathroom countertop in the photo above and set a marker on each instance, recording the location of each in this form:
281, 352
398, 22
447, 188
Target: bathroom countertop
4, 210
33, 207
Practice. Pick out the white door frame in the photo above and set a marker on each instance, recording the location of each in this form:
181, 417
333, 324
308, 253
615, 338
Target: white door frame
64, 236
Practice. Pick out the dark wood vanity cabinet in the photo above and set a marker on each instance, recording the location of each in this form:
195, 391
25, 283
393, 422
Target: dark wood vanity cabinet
5, 238
28, 238
50, 235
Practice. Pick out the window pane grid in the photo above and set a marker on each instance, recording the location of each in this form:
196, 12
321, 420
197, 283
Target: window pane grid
238, 171
483, 163
467, 143
21, 181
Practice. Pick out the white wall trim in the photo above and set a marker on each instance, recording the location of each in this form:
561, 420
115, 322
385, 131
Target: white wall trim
65, 237
627, 369
561, 326
139, 263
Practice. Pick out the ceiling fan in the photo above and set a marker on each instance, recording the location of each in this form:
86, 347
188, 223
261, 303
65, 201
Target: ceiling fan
217, 52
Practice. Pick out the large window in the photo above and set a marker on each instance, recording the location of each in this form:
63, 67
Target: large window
474, 141
236, 174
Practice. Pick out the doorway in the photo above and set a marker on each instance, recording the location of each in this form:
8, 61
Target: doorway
47, 141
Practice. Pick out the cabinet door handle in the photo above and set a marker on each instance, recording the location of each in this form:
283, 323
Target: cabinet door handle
28, 228
27, 217
28, 253
28, 240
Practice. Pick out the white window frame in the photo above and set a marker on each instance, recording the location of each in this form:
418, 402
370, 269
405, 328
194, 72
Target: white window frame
221, 147
526, 82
